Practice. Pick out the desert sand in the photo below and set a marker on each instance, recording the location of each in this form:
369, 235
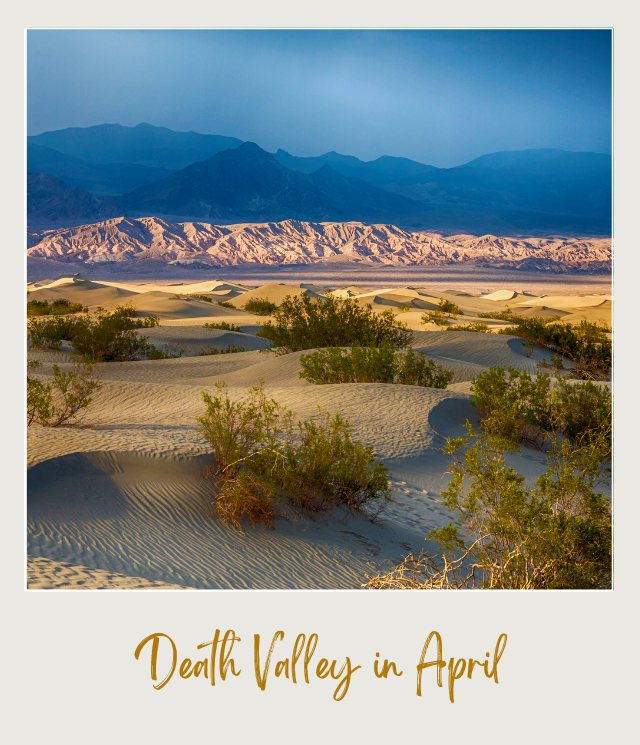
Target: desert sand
119, 501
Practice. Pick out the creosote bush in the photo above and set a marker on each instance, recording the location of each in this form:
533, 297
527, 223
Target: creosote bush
62, 399
229, 349
586, 344
477, 326
98, 337
373, 365
555, 533
260, 306
221, 325
305, 323
435, 316
450, 308
520, 407
58, 307
265, 462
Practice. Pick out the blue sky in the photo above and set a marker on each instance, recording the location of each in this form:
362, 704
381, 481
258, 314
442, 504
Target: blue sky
440, 97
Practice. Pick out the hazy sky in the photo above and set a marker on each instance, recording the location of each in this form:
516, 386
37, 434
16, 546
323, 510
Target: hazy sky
441, 97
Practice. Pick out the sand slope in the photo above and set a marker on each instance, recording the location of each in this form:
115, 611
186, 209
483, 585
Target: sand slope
120, 500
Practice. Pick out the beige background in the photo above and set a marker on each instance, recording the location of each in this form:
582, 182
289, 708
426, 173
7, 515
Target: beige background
567, 675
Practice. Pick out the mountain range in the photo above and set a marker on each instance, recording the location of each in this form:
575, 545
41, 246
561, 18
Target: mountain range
133, 240
110, 170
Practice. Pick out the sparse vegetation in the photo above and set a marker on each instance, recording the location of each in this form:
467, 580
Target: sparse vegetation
226, 304
165, 352
449, 308
58, 307
477, 326
265, 462
305, 323
509, 535
520, 407
435, 316
98, 337
553, 535
500, 315
62, 399
373, 365
222, 325
229, 349
260, 307
204, 298
586, 344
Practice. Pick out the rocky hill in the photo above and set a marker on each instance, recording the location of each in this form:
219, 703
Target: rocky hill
125, 240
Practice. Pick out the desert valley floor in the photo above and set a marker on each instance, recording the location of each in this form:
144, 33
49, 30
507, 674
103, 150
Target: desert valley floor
120, 500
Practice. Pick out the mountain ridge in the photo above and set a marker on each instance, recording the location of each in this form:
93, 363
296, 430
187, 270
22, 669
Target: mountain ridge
125, 240
527, 191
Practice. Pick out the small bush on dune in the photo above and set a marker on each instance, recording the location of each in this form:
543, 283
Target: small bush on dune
226, 304
305, 323
204, 298
517, 406
229, 349
435, 316
260, 306
450, 308
50, 332
553, 535
264, 461
500, 315
478, 326
586, 344
99, 337
58, 307
165, 352
62, 399
373, 365
222, 325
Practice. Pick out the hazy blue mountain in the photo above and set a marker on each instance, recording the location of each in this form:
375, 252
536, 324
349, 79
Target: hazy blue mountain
186, 174
380, 172
97, 178
249, 184
144, 145
51, 202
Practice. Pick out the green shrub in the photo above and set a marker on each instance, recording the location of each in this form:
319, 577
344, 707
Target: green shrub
58, 307
260, 306
222, 325
373, 365
500, 315
553, 535
61, 400
204, 298
98, 337
226, 304
477, 326
305, 323
517, 406
50, 332
435, 316
229, 349
264, 462
450, 308
165, 352
586, 344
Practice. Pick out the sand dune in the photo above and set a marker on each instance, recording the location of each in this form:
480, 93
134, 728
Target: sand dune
196, 339
567, 301
121, 502
500, 295
274, 293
